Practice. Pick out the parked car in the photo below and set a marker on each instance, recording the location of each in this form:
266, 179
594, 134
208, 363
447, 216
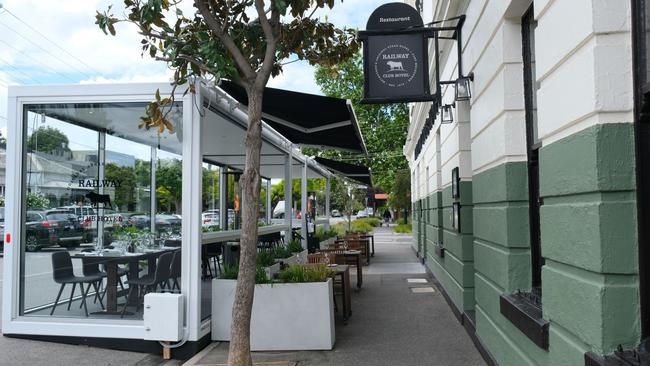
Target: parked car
69, 230
39, 230
336, 213
210, 219
168, 222
140, 220
362, 214
278, 211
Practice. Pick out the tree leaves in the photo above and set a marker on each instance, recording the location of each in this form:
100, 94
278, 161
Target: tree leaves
106, 21
192, 49
384, 127
155, 116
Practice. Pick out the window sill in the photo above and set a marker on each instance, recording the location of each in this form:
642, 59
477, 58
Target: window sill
638, 356
526, 316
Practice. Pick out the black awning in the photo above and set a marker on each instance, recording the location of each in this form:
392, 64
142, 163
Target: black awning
307, 119
358, 173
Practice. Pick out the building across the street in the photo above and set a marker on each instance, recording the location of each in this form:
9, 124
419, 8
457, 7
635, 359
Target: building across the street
531, 206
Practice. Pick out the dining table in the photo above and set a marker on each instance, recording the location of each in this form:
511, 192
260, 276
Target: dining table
111, 259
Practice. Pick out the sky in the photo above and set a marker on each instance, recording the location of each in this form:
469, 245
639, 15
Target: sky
56, 42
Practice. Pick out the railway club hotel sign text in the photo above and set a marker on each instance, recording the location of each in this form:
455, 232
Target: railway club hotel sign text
395, 56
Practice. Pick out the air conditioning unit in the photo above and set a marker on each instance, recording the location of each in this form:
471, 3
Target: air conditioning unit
163, 317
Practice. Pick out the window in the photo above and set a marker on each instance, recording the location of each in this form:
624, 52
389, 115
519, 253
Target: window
528, 25
524, 308
92, 178
641, 27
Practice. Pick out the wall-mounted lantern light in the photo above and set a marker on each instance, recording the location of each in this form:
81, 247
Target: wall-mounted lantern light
455, 216
455, 182
463, 90
446, 116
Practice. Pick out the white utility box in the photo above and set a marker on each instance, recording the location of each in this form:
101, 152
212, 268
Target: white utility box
163, 317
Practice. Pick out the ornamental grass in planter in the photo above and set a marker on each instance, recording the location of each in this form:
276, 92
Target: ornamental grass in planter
294, 313
266, 260
325, 237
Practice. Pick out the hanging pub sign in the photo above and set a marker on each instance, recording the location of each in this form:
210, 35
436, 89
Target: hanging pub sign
395, 56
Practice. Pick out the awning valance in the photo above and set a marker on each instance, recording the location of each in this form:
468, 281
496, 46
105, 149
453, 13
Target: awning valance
357, 173
307, 119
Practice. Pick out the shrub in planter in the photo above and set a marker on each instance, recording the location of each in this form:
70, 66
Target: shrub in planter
296, 273
295, 246
299, 255
295, 315
266, 260
231, 272
281, 252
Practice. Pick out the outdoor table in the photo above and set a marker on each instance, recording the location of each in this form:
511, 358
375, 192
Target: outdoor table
111, 262
353, 257
173, 242
364, 242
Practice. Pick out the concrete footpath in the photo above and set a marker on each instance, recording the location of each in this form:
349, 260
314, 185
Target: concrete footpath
391, 324
22, 352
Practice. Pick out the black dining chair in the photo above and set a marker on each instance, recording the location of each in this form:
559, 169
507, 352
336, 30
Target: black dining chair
175, 273
64, 274
150, 282
212, 252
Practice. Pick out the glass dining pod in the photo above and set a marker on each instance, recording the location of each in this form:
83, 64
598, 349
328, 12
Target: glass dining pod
94, 201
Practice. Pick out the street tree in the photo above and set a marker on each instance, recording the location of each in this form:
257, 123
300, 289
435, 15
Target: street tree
246, 41
48, 140
125, 190
168, 176
384, 126
400, 196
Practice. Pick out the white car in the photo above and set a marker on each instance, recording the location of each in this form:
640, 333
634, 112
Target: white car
362, 214
210, 219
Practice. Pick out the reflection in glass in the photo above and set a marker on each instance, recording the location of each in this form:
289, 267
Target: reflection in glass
88, 175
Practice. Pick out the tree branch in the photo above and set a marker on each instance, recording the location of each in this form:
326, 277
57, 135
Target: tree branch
264, 21
270, 35
216, 28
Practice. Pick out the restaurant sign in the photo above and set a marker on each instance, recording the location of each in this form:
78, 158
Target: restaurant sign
395, 56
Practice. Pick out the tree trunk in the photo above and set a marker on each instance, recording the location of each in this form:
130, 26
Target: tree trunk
239, 353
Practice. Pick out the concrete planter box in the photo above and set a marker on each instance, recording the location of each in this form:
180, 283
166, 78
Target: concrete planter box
285, 316
297, 258
301, 257
272, 270
326, 243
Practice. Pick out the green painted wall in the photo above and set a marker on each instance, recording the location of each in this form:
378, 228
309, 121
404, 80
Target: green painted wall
455, 271
589, 240
588, 227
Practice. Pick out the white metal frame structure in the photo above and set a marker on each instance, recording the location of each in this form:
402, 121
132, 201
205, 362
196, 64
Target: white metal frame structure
286, 162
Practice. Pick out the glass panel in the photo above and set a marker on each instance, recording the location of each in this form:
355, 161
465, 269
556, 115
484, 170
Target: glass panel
211, 216
61, 165
211, 260
533, 75
89, 210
